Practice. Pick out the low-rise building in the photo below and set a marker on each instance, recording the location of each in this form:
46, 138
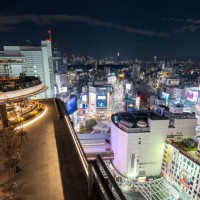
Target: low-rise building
182, 169
137, 141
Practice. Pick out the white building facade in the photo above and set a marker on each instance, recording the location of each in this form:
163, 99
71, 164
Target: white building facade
182, 128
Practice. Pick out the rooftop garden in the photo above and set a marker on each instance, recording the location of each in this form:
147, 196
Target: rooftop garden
29, 116
187, 145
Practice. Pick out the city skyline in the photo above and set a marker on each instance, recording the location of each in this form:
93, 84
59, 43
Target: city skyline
135, 29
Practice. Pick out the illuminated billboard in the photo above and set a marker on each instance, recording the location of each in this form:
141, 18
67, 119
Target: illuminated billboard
130, 105
137, 103
112, 79
121, 75
83, 105
185, 178
172, 81
71, 106
159, 110
166, 97
83, 97
101, 104
101, 101
62, 89
192, 95
128, 86
101, 97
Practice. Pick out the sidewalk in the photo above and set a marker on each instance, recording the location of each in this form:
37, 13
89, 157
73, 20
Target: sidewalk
51, 169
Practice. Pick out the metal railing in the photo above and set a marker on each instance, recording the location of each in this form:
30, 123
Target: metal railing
111, 181
92, 168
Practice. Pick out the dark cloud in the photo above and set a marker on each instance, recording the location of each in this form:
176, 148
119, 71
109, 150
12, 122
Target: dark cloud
185, 25
187, 28
7, 23
178, 20
190, 25
197, 21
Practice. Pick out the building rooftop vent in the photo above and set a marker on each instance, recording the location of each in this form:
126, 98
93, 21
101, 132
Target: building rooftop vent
141, 124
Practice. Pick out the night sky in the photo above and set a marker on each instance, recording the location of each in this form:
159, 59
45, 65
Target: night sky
139, 28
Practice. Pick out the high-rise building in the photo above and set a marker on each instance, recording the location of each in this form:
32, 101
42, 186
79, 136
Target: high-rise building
59, 62
32, 60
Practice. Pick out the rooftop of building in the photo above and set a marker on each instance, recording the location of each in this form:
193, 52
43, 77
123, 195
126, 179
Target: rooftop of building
139, 115
177, 105
135, 121
187, 147
172, 78
155, 116
183, 115
163, 106
174, 86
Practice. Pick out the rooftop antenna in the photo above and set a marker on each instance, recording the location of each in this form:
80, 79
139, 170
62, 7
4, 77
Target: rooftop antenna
49, 32
118, 57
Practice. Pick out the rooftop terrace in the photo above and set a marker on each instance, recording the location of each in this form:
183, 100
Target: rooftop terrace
132, 122
191, 153
140, 115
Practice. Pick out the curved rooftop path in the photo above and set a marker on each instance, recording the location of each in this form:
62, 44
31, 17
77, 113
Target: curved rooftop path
22, 93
